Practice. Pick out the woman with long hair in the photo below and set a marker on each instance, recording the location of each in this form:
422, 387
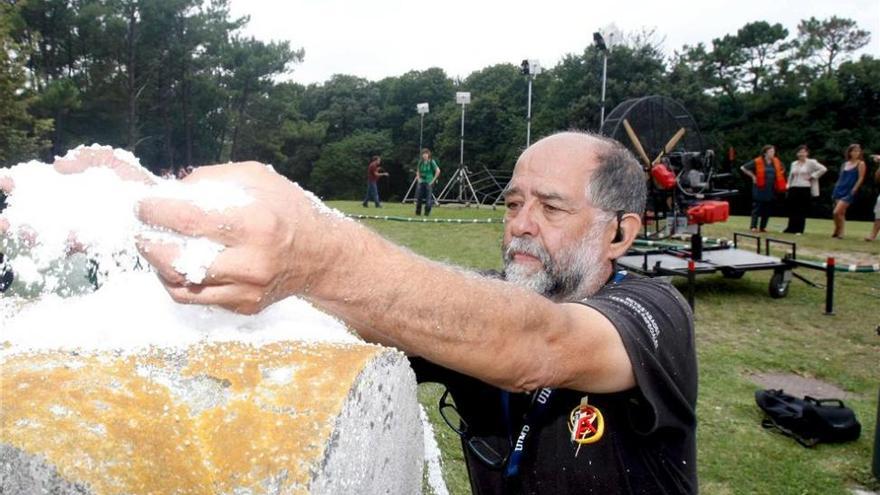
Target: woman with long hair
803, 186
875, 230
852, 174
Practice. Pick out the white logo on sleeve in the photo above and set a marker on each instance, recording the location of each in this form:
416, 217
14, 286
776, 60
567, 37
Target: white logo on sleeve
647, 317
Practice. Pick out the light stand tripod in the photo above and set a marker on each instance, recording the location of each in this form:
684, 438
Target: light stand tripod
461, 177
422, 109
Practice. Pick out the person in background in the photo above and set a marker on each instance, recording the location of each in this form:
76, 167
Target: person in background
374, 171
427, 173
803, 185
852, 174
768, 178
876, 229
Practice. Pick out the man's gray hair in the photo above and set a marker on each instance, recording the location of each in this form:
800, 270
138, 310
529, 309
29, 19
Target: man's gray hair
619, 182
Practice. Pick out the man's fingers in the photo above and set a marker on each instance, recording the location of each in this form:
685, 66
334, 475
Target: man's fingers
162, 257
76, 162
70, 165
234, 266
227, 296
227, 268
4, 225
6, 184
188, 219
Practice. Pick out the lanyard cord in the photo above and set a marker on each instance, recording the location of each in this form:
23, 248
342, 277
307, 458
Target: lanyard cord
540, 404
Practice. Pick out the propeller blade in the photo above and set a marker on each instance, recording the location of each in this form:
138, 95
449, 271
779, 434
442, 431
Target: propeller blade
636, 143
671, 144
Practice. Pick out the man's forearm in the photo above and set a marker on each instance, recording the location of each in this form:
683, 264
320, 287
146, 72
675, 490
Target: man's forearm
485, 328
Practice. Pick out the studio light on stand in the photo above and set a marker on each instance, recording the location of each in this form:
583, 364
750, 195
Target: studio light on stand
600, 44
466, 192
422, 109
463, 98
530, 68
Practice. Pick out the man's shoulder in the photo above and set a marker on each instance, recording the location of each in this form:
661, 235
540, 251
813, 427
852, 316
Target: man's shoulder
648, 309
640, 287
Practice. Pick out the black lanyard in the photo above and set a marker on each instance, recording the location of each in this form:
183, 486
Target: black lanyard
539, 406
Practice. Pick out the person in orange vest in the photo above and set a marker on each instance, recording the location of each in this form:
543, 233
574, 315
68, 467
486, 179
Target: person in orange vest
768, 178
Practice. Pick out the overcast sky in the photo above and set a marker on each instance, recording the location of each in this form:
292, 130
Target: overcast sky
380, 38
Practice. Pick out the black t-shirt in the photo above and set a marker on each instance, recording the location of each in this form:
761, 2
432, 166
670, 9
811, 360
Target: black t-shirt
649, 443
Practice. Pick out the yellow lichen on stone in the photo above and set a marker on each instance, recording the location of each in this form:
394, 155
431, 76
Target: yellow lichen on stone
207, 420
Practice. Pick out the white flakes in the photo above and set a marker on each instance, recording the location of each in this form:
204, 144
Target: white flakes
131, 310
195, 257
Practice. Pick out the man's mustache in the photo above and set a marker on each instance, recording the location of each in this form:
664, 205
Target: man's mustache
529, 246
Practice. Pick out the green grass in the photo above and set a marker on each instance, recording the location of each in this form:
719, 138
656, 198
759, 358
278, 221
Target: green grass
740, 330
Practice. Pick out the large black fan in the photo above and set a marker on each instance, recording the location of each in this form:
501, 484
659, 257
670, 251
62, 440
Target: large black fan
654, 121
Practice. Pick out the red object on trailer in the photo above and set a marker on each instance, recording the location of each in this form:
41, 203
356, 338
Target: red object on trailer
663, 177
708, 212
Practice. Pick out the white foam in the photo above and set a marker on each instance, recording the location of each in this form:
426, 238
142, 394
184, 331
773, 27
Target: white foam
131, 309
100, 208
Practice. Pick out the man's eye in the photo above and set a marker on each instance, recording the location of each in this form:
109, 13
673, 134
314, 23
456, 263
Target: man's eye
552, 209
512, 205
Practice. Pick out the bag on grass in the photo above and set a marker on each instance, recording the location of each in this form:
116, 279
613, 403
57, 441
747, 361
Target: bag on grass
808, 420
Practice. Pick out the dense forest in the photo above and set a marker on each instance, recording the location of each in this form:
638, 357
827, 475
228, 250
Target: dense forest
177, 83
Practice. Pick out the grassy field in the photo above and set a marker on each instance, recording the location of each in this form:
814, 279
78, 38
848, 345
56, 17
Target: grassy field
740, 331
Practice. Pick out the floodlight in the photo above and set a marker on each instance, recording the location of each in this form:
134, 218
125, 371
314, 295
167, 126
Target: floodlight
534, 67
599, 41
463, 97
422, 108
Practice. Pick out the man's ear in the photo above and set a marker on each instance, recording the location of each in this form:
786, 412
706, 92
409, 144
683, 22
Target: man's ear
626, 231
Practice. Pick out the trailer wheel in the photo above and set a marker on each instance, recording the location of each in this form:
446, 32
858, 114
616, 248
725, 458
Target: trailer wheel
732, 273
779, 285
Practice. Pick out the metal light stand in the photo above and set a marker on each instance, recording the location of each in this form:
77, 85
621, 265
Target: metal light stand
530, 68
600, 43
466, 192
422, 109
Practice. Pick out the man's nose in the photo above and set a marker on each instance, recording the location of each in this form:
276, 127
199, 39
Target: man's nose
524, 222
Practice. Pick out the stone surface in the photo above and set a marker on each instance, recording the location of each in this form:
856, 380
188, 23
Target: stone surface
212, 419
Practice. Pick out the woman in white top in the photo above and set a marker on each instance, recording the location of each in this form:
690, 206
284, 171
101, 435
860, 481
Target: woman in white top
876, 229
803, 185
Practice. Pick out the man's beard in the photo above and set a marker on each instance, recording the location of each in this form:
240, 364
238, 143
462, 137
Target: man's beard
575, 273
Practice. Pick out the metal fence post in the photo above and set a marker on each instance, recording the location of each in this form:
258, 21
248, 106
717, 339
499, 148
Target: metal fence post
692, 275
829, 286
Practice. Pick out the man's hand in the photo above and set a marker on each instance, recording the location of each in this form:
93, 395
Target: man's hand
73, 163
6, 186
272, 244
80, 160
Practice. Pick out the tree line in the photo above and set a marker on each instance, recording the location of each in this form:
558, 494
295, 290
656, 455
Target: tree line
177, 83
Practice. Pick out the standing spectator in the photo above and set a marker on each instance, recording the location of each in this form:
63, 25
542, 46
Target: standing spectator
374, 171
876, 230
426, 174
768, 178
852, 174
803, 185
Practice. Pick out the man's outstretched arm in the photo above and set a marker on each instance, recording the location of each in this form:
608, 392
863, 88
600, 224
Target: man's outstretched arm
283, 245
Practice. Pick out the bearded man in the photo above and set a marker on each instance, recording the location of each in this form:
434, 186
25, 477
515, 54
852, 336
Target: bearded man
563, 375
